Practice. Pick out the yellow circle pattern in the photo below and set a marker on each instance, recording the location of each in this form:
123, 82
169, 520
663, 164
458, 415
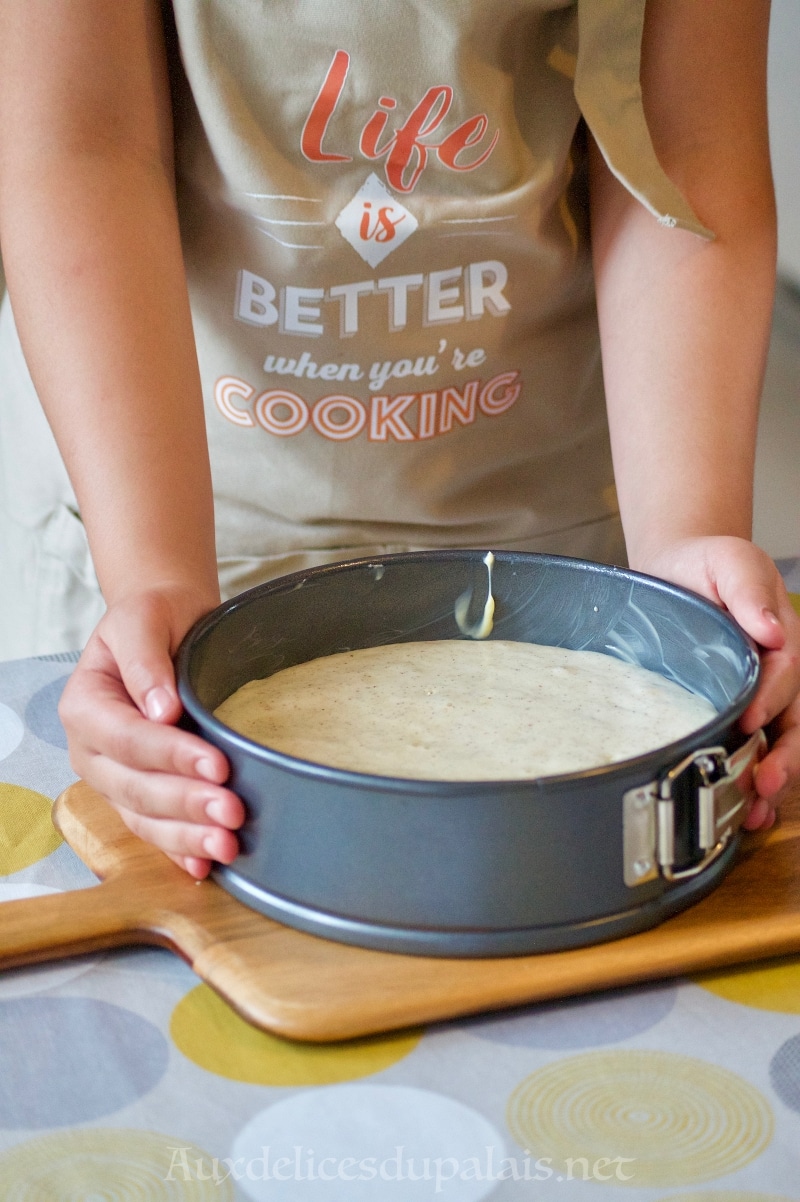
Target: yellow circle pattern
27, 833
773, 987
212, 1035
112, 1165
679, 1120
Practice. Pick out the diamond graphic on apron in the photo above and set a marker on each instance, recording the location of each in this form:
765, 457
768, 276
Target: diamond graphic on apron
374, 223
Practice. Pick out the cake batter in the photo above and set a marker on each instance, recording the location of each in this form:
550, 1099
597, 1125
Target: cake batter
465, 710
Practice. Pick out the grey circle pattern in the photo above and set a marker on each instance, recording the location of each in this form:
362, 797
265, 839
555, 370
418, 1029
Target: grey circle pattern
579, 1022
71, 1060
784, 1073
41, 713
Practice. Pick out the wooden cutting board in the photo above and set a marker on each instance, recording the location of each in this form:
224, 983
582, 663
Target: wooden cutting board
303, 987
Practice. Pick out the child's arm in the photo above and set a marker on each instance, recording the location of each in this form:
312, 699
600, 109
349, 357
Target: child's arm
92, 253
685, 329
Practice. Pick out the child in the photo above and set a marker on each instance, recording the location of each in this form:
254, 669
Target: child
375, 276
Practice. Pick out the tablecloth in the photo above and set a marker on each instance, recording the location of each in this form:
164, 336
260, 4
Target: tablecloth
124, 1077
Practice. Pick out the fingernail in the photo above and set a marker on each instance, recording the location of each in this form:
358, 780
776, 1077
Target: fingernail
778, 778
209, 846
205, 767
771, 617
756, 814
156, 703
215, 810
198, 868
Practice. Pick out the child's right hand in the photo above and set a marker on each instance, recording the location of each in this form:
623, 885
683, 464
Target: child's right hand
119, 710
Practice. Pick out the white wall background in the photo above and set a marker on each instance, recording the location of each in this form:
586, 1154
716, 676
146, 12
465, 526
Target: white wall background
784, 103
777, 485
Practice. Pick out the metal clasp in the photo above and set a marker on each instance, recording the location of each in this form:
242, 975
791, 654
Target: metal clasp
720, 805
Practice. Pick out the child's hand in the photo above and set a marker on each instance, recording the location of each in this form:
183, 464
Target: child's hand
741, 578
119, 710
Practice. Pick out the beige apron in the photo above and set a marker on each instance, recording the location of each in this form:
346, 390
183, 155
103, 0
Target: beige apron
385, 227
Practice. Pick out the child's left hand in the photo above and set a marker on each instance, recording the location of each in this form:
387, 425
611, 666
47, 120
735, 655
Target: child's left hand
741, 578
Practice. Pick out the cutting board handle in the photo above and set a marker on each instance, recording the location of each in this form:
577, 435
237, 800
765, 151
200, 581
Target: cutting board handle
34, 929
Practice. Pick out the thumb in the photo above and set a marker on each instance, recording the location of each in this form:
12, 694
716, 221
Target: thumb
139, 635
751, 595
757, 616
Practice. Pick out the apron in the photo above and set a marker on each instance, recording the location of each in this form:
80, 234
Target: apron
385, 224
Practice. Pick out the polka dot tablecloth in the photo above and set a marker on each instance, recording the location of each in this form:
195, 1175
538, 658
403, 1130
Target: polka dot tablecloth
123, 1077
